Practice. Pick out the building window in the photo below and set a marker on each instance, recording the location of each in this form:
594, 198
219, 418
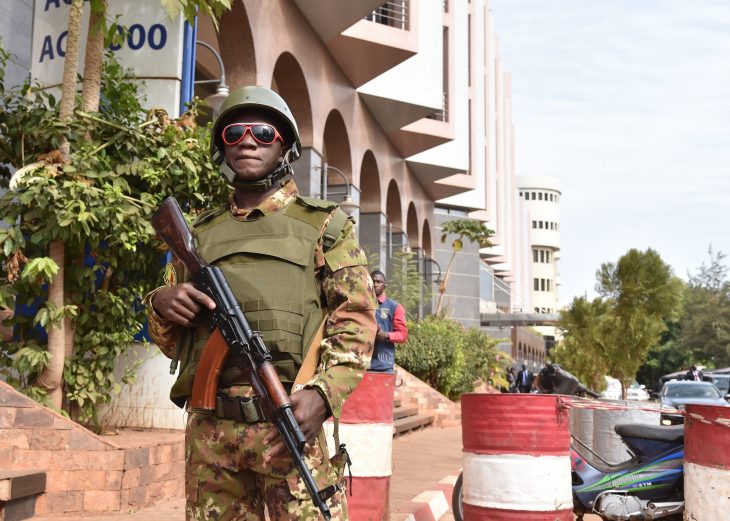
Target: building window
540, 224
533, 196
534, 255
542, 284
534, 224
539, 196
536, 284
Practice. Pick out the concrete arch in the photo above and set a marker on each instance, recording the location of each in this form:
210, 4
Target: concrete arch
236, 45
392, 205
336, 149
288, 80
412, 226
370, 194
426, 238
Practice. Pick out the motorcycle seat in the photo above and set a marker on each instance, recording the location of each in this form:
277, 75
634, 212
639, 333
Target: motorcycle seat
673, 434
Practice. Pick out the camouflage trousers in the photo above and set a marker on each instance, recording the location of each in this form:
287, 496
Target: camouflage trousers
227, 479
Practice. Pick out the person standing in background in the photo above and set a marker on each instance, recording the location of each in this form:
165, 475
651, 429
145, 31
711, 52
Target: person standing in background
524, 379
392, 329
694, 374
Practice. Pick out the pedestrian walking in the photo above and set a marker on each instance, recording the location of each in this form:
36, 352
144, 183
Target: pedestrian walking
285, 257
525, 377
392, 327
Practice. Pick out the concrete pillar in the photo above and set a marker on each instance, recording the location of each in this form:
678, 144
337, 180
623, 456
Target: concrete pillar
373, 238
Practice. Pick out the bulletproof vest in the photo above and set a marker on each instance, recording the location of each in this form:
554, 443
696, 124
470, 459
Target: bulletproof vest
269, 265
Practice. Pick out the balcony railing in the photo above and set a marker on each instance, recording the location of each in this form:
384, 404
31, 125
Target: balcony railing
393, 13
443, 114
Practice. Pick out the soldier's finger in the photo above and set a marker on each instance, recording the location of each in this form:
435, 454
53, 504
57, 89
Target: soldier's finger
201, 298
186, 308
177, 318
272, 436
275, 451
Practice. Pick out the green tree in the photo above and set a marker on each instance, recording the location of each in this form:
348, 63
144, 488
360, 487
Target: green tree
641, 293
582, 351
706, 320
667, 357
638, 296
461, 230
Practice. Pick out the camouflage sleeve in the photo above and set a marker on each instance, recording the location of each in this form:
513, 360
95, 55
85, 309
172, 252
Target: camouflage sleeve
161, 330
350, 327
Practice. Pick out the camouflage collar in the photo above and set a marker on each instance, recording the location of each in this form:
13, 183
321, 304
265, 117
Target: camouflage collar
276, 202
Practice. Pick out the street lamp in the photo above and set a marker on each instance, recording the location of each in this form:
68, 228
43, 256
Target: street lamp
438, 280
221, 92
347, 204
406, 248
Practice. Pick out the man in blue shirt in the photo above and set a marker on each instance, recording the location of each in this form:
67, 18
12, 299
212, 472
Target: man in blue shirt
392, 329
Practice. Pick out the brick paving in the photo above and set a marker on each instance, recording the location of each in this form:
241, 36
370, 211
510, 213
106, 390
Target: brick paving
420, 460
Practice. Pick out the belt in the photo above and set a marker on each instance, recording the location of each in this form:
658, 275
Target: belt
242, 410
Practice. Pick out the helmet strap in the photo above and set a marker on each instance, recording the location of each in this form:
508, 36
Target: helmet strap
263, 184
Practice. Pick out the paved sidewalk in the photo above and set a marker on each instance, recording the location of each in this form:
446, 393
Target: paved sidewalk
421, 460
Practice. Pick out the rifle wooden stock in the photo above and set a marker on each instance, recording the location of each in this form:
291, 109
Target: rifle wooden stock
208, 372
215, 355
170, 225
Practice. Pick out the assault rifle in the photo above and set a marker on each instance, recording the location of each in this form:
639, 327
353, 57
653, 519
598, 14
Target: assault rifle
233, 335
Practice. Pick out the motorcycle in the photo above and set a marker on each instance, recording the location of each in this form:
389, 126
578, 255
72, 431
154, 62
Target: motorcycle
647, 486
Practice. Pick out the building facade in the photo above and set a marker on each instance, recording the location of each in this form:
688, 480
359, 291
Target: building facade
403, 106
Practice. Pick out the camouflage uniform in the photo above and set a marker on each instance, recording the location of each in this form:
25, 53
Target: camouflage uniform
225, 474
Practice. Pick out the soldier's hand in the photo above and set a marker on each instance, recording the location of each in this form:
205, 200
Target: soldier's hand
310, 411
381, 336
181, 303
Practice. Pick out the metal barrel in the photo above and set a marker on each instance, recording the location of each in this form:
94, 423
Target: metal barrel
516, 458
707, 462
366, 428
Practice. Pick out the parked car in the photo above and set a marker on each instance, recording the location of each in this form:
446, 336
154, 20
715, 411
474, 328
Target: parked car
677, 394
721, 381
637, 392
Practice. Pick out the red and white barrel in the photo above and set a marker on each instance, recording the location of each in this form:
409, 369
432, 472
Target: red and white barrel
366, 428
707, 462
516, 458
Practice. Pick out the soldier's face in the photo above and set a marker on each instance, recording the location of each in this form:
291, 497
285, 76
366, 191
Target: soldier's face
250, 159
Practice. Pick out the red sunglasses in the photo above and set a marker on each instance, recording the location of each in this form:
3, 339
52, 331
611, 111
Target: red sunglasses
263, 133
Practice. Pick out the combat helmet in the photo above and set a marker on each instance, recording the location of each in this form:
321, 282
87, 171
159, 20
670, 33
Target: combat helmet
261, 98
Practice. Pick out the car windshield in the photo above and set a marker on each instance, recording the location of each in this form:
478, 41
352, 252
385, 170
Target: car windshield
691, 391
722, 383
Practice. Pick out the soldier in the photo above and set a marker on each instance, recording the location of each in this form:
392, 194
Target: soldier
287, 258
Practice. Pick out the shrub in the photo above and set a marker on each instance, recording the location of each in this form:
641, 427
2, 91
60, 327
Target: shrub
451, 359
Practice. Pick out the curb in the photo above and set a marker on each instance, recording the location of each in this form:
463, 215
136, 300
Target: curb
430, 505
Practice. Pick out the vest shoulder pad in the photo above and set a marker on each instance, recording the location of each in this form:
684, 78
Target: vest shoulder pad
316, 204
208, 215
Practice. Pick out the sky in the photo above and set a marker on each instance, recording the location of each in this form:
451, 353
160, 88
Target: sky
627, 103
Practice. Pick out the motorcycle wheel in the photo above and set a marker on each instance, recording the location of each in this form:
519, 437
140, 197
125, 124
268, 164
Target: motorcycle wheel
457, 506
